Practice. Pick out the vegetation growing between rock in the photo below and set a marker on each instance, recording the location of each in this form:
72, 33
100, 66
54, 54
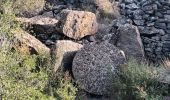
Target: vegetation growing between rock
140, 82
30, 71
24, 76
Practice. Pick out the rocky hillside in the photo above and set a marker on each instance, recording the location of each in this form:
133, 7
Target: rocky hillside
85, 49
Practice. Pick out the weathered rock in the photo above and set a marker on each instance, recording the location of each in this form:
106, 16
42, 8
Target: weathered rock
48, 14
45, 25
95, 65
31, 43
65, 51
77, 24
130, 41
28, 8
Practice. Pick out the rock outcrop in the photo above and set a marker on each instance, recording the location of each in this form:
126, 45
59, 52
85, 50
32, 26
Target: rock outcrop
94, 67
65, 52
77, 24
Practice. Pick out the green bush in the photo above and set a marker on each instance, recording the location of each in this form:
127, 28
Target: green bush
139, 82
66, 90
24, 76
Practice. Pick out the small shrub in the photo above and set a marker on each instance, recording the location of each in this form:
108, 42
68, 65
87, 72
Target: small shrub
139, 82
28, 8
67, 91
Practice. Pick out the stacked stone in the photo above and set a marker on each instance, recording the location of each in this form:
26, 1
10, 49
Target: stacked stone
153, 20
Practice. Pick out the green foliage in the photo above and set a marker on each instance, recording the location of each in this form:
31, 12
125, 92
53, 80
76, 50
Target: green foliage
7, 19
139, 82
28, 7
17, 78
66, 90
24, 76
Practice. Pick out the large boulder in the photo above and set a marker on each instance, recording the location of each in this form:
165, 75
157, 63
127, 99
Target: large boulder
40, 24
28, 8
130, 41
29, 43
77, 24
95, 65
65, 51
124, 35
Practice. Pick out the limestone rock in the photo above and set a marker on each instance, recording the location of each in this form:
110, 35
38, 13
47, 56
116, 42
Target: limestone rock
65, 51
30, 42
77, 24
95, 65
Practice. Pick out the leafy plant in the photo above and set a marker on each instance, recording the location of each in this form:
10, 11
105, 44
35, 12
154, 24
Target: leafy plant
67, 91
139, 82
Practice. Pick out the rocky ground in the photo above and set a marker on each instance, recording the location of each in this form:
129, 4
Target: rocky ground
93, 39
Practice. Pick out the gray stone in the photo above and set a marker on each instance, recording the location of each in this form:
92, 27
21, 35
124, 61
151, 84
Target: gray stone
167, 31
160, 25
168, 12
65, 51
167, 17
160, 15
91, 39
106, 33
128, 1
168, 26
138, 17
156, 38
150, 24
166, 44
49, 42
95, 65
132, 6
165, 37
130, 41
148, 9
139, 22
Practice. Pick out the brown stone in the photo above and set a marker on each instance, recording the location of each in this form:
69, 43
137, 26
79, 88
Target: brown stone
29, 42
65, 51
77, 24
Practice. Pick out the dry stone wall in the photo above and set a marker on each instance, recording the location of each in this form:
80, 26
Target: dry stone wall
153, 20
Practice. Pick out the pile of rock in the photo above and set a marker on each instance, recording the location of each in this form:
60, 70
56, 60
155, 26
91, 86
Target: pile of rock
94, 52
153, 20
